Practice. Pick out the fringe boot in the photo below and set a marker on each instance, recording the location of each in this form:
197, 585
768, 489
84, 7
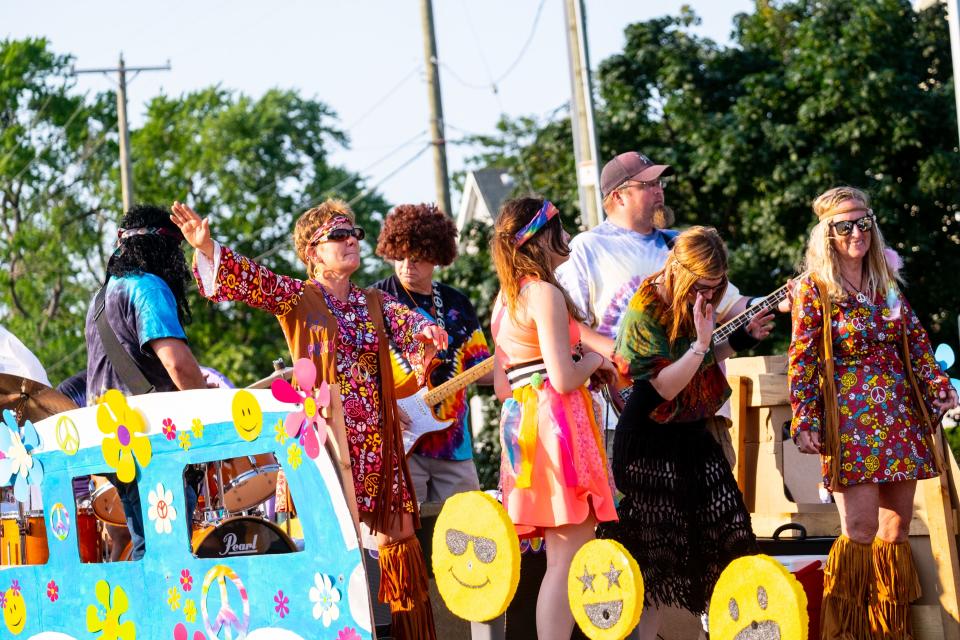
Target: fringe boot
847, 584
405, 586
897, 586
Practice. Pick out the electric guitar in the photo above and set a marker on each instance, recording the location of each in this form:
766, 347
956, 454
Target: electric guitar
617, 392
420, 404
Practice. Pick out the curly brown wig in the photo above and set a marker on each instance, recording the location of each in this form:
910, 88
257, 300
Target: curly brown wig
420, 232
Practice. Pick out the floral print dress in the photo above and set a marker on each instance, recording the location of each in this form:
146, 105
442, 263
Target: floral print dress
239, 278
881, 437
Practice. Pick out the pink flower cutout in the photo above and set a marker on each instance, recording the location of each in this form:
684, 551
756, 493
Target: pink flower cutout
281, 601
15, 586
308, 423
53, 591
3, 599
180, 633
186, 580
348, 633
169, 429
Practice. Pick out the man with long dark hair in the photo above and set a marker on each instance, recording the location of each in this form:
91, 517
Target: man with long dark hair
146, 306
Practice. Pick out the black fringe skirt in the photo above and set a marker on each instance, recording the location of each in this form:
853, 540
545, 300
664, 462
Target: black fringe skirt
682, 516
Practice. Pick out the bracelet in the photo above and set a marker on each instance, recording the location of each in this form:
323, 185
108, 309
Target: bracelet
699, 353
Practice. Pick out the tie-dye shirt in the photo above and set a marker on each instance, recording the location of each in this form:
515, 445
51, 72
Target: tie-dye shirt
467, 347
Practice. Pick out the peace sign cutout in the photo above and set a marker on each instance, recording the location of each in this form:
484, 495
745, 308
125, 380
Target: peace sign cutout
68, 437
226, 619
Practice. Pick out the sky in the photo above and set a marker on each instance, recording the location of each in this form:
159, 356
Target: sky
364, 59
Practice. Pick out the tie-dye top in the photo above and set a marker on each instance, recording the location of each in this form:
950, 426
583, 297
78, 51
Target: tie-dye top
467, 347
643, 350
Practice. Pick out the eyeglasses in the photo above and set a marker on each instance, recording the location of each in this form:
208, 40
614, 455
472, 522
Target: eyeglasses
661, 182
845, 227
341, 234
702, 288
484, 548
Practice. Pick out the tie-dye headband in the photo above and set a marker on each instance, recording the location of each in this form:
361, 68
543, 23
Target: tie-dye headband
324, 230
546, 214
123, 234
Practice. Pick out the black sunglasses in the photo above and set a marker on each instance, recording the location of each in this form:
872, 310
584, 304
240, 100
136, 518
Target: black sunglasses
339, 235
845, 227
696, 287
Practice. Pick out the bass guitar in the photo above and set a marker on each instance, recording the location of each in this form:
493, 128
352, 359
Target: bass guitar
420, 404
617, 392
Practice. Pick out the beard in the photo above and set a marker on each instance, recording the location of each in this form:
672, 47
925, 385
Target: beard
663, 217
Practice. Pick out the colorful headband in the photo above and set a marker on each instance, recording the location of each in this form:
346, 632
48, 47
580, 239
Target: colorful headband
324, 230
123, 234
546, 214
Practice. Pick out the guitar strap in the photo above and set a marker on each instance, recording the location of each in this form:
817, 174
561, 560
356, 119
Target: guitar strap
127, 369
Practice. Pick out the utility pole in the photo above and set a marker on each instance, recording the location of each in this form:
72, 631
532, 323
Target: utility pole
126, 174
436, 108
584, 134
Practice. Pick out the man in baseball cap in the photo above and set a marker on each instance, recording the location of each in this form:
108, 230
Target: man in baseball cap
628, 166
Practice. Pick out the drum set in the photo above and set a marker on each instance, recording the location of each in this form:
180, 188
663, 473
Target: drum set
23, 531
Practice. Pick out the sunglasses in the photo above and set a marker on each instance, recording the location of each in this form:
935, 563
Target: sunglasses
845, 227
339, 235
484, 548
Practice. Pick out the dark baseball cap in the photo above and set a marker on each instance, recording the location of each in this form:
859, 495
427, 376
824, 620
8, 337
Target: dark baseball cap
630, 166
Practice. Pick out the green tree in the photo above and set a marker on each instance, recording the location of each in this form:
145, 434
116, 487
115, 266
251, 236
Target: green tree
53, 144
811, 94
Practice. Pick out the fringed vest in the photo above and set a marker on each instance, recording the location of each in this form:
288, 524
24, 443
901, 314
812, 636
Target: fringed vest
311, 331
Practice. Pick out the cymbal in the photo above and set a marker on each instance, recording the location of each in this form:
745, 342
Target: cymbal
31, 400
264, 383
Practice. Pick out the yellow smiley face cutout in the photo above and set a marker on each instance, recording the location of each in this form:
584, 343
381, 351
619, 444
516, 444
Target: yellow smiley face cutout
756, 597
14, 611
605, 590
247, 415
476, 556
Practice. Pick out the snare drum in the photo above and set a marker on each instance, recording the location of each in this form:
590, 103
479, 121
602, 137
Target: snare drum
106, 502
248, 480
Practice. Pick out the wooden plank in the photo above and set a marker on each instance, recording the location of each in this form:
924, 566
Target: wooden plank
943, 544
738, 411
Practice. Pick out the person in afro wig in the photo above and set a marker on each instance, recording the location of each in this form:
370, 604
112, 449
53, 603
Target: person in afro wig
416, 239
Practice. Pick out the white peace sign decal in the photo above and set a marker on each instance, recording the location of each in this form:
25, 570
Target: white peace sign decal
68, 437
878, 395
226, 619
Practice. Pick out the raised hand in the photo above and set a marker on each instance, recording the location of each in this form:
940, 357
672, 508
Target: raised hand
196, 231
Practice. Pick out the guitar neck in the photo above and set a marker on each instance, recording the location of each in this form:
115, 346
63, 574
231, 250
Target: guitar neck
441, 392
722, 333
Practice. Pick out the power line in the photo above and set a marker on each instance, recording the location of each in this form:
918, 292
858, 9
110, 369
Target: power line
526, 45
385, 97
403, 166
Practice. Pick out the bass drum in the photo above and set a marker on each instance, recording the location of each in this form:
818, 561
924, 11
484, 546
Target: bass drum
106, 502
241, 536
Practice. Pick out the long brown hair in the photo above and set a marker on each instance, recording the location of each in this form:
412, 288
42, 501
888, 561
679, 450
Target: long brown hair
698, 253
532, 258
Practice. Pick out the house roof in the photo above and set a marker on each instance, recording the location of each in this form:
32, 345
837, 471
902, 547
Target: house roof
495, 186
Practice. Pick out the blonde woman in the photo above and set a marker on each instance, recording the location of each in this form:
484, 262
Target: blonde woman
863, 385
682, 515
554, 473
